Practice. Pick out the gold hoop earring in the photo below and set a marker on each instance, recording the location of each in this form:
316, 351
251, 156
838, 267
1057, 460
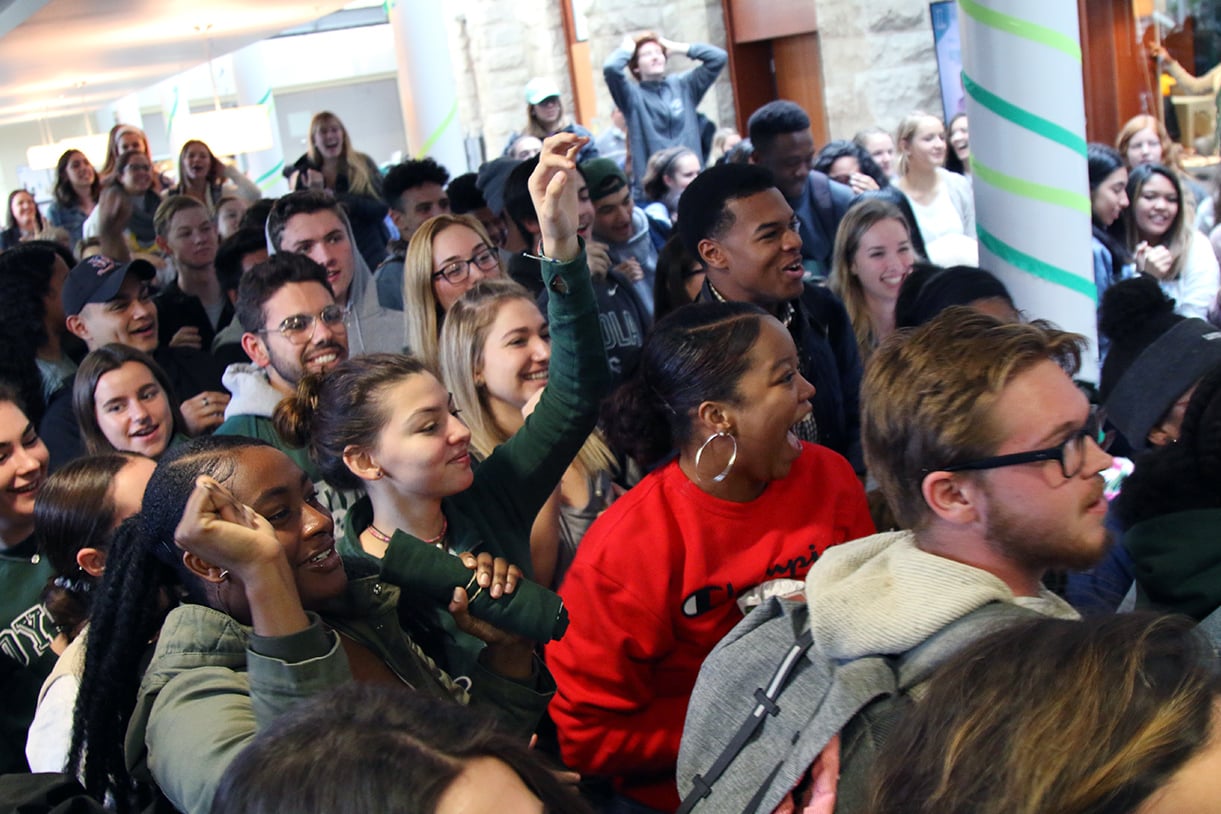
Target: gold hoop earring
733, 456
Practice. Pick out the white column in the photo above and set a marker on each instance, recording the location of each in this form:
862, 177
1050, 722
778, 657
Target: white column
427, 90
265, 167
1025, 100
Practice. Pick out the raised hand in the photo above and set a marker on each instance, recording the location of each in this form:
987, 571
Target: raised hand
217, 528
554, 192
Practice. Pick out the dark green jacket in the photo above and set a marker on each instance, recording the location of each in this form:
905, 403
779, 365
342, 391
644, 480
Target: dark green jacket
1176, 560
26, 633
510, 487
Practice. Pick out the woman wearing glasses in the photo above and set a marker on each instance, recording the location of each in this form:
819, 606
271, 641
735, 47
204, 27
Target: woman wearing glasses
447, 255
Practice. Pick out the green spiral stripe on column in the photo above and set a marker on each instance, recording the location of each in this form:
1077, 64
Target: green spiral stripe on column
1039, 268
1023, 118
267, 179
441, 128
1021, 28
1029, 189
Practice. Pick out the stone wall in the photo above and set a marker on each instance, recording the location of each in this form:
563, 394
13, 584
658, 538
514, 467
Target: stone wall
878, 63
497, 46
878, 58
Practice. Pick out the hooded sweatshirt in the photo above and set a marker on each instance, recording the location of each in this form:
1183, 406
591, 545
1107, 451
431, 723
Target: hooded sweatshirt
662, 113
371, 328
884, 595
641, 247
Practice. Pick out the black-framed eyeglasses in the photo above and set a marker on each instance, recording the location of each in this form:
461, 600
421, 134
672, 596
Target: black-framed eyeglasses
1070, 454
298, 328
456, 272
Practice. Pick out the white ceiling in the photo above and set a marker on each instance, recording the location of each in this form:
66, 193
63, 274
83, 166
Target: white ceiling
60, 57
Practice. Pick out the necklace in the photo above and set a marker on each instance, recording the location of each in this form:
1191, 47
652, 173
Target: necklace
439, 540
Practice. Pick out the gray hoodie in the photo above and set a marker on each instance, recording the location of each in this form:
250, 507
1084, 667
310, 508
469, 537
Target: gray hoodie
371, 328
640, 246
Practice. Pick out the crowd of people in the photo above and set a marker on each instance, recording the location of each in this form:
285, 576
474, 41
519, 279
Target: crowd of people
707, 471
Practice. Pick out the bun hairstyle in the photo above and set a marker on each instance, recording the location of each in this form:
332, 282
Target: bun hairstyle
695, 354
343, 408
75, 510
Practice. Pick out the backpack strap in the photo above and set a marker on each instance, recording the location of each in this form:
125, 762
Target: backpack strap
701, 785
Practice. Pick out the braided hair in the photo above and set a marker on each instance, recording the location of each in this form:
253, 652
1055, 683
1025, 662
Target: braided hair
145, 577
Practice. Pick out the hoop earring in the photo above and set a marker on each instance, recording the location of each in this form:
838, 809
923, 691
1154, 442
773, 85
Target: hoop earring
733, 456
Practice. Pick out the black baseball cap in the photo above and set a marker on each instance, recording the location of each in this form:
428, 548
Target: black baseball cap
98, 279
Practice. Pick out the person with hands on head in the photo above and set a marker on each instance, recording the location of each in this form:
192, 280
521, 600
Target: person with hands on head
266, 615
660, 110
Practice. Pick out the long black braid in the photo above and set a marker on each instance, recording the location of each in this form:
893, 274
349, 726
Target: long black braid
144, 578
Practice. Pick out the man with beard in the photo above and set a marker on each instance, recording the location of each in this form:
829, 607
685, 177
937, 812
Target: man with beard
293, 326
312, 223
989, 456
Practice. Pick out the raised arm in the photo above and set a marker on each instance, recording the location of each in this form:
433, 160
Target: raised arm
699, 79
622, 89
522, 472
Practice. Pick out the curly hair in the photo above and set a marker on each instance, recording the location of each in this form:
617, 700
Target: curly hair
26, 271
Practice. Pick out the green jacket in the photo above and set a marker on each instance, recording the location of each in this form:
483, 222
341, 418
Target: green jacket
26, 633
213, 684
260, 427
496, 512
1176, 561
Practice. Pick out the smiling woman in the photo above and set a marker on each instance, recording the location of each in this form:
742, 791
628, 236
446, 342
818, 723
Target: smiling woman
740, 514
385, 424
496, 356
263, 615
124, 403
873, 256
26, 630
1164, 244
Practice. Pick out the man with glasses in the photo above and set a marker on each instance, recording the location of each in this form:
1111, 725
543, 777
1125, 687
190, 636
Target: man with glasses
989, 458
293, 327
312, 223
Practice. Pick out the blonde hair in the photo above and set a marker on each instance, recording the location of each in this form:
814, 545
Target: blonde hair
353, 164
906, 132
463, 339
928, 394
859, 219
423, 313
